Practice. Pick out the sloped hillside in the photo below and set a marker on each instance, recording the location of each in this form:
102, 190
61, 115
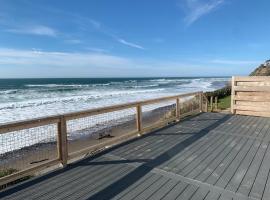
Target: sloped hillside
262, 70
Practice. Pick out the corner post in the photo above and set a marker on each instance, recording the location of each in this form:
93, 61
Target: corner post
233, 95
139, 118
62, 141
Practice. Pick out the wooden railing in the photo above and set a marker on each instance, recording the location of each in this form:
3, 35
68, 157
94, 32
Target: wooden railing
146, 118
251, 96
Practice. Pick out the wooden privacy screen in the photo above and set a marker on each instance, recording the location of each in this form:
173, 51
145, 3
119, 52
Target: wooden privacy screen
251, 96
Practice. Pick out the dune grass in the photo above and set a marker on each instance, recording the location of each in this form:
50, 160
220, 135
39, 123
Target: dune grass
224, 103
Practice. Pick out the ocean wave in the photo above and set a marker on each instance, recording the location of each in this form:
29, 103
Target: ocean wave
8, 92
78, 98
56, 85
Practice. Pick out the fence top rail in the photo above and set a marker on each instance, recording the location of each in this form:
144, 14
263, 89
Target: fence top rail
26, 124
251, 78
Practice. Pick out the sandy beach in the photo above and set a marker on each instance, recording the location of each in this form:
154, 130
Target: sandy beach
42, 152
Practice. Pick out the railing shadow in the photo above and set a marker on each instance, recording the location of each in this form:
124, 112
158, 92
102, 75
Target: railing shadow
123, 183
126, 181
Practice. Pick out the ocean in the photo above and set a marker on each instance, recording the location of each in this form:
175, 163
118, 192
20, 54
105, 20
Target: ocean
22, 99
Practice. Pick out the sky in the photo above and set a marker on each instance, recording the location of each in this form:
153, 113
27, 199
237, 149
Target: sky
132, 38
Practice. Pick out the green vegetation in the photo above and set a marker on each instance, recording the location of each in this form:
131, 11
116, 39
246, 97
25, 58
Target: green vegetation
220, 93
224, 103
10, 171
7, 172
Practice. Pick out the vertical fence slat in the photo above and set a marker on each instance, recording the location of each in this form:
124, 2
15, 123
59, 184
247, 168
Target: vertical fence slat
216, 103
177, 107
211, 104
201, 101
62, 141
206, 104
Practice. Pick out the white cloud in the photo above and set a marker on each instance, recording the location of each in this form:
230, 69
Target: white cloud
98, 50
195, 9
34, 30
73, 41
39, 63
235, 62
38, 57
122, 41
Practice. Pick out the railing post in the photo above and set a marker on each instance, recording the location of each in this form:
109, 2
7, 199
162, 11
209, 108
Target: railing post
139, 118
211, 104
62, 141
206, 104
233, 95
216, 103
200, 101
177, 109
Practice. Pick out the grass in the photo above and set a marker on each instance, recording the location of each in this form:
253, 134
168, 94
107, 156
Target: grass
224, 103
7, 172
10, 171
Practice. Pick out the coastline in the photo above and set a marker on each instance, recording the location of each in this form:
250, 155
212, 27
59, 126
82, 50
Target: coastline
41, 152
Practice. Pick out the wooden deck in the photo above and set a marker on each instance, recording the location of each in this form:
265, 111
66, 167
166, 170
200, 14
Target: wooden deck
210, 156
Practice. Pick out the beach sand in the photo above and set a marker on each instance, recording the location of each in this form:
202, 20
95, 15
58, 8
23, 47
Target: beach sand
42, 152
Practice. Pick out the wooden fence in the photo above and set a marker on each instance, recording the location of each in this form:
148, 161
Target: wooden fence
61, 127
251, 96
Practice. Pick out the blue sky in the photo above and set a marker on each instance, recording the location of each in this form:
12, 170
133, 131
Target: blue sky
119, 38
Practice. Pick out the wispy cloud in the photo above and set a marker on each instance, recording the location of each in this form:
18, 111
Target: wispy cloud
39, 63
73, 41
195, 9
130, 44
34, 30
41, 58
98, 50
234, 62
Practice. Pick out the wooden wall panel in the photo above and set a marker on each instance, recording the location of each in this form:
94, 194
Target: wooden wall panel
251, 96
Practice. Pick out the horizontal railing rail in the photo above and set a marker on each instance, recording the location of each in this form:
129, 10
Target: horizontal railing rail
59, 134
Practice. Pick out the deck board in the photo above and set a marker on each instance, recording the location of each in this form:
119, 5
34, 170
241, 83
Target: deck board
210, 156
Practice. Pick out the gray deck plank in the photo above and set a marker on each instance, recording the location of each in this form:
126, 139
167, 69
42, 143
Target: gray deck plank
243, 168
196, 146
184, 159
148, 192
250, 176
204, 160
142, 187
176, 191
200, 194
213, 178
133, 186
59, 180
164, 190
211, 167
75, 187
88, 188
261, 178
188, 192
212, 196
266, 194
232, 152
227, 175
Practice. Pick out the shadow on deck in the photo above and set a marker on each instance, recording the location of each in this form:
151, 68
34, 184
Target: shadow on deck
210, 156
